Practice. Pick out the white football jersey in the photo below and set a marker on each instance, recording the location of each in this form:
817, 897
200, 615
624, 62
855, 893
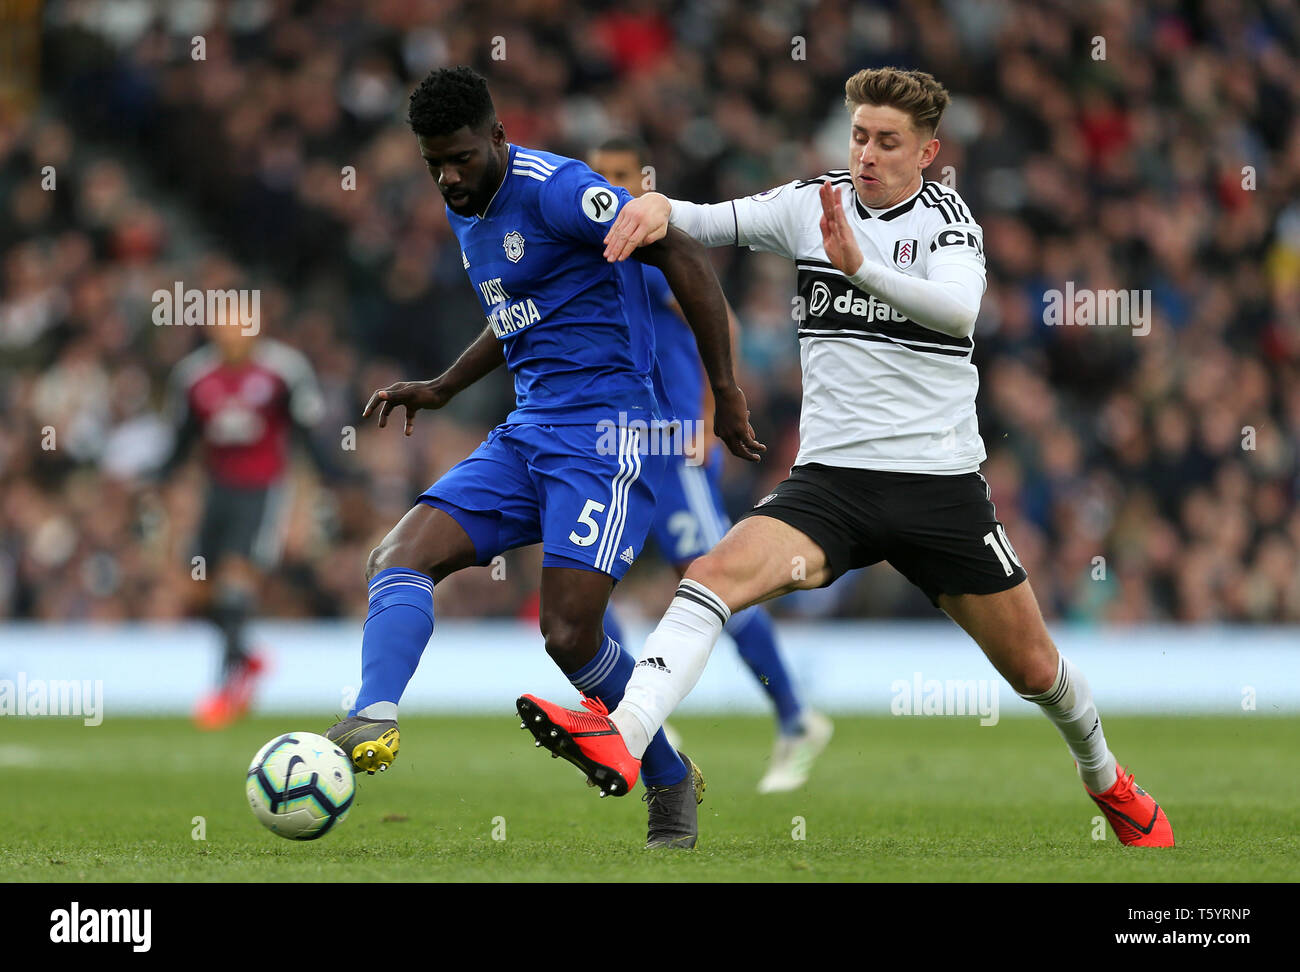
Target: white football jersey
880, 391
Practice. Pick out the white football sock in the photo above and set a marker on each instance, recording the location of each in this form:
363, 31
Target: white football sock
379, 710
671, 663
1068, 703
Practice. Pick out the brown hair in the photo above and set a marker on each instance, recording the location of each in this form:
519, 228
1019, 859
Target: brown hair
914, 92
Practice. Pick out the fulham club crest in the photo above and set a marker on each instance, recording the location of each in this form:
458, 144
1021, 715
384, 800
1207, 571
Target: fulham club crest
904, 254
514, 244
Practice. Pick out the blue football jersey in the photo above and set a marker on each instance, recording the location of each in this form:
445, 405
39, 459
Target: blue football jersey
577, 331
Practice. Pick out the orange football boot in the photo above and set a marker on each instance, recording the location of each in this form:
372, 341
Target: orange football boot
1136, 819
589, 740
230, 702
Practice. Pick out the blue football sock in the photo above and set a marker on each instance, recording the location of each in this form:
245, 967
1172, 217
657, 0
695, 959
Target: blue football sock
752, 631
604, 678
398, 627
613, 629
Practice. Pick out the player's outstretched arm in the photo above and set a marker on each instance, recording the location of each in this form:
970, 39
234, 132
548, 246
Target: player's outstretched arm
643, 220
484, 355
646, 219
685, 264
948, 300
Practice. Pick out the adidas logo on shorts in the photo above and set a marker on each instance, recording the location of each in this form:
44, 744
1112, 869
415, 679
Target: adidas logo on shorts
627, 556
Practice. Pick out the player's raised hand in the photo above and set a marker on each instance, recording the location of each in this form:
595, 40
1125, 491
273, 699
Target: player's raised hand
414, 395
731, 424
643, 220
837, 237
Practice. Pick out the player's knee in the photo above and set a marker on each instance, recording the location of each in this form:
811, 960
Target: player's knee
390, 554
376, 562
1036, 671
715, 572
571, 644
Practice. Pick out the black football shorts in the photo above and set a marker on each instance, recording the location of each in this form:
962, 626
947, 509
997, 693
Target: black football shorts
940, 532
246, 522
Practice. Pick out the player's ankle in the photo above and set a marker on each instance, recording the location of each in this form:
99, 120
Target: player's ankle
379, 711
635, 726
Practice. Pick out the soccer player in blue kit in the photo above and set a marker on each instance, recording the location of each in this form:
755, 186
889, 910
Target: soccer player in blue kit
577, 336
690, 516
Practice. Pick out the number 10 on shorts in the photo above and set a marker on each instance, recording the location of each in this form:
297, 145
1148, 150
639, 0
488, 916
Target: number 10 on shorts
593, 528
1002, 547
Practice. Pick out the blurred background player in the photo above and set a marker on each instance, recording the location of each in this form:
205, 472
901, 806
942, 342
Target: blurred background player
690, 514
245, 398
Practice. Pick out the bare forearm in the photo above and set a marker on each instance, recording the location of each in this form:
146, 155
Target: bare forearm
484, 355
686, 266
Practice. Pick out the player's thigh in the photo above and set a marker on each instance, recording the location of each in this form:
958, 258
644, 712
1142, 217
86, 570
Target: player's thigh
482, 506
272, 525
427, 539
597, 499
807, 532
1008, 626
597, 505
942, 533
760, 558
690, 518
945, 538
227, 525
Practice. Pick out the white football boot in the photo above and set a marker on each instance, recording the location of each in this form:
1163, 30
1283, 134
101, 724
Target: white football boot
793, 756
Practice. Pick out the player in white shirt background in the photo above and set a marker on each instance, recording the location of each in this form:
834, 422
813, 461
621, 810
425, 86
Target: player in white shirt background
890, 276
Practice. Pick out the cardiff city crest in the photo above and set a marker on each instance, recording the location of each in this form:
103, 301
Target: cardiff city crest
514, 244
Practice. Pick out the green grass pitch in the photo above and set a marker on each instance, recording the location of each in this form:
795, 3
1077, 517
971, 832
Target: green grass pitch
893, 799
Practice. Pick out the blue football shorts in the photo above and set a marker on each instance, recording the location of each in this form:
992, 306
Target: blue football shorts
585, 492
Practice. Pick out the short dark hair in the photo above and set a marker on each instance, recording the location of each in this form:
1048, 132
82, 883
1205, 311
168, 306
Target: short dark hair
626, 143
450, 99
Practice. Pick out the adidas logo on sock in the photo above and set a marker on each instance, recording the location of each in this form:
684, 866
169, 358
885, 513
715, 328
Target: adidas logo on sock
654, 663
627, 556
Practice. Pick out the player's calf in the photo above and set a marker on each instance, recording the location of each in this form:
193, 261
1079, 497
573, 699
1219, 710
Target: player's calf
1008, 626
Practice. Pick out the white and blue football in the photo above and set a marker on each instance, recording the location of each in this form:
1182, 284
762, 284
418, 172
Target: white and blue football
300, 786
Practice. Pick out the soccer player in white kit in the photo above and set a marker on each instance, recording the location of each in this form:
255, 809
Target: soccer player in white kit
890, 274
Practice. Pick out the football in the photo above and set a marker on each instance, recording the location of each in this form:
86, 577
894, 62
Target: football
300, 786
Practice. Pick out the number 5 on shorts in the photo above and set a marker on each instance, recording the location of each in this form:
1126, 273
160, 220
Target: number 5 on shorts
593, 528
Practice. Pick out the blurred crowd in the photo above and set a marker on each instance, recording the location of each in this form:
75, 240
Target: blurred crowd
1142, 474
